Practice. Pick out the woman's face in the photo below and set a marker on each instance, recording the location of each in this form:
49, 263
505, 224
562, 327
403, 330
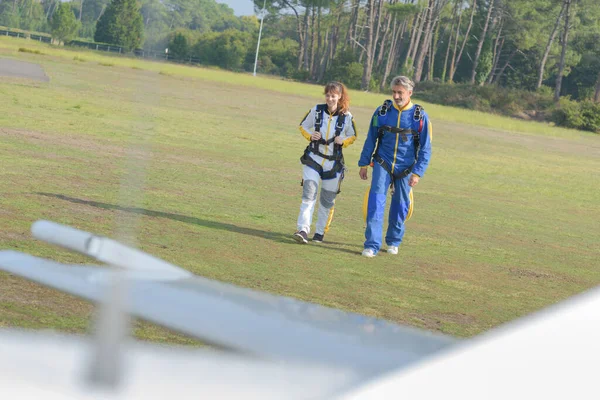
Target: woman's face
332, 98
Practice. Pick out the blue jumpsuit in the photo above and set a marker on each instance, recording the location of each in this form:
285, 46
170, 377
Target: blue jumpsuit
399, 155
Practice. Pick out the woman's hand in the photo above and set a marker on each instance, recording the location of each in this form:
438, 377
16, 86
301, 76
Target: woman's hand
338, 140
316, 136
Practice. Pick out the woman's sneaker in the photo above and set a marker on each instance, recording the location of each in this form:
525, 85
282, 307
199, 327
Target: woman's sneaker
318, 238
301, 237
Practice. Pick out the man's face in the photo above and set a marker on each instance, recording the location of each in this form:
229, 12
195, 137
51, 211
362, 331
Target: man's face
401, 95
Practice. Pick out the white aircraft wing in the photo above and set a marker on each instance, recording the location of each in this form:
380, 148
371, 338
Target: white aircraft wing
553, 354
284, 344
275, 327
49, 366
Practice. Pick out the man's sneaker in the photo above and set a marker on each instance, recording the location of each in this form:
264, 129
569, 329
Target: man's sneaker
301, 237
318, 238
392, 250
368, 253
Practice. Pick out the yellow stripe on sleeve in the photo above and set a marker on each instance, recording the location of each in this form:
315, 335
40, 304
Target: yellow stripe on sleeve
347, 142
305, 133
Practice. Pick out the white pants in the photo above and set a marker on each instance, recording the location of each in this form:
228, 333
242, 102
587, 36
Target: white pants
329, 189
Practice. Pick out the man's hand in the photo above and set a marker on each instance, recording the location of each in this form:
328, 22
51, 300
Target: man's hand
414, 179
363, 173
316, 136
338, 140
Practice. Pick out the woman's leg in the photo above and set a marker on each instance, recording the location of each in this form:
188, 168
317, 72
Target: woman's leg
329, 189
309, 196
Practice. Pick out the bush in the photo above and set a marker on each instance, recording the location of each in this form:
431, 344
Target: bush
489, 98
227, 49
26, 50
345, 69
179, 47
583, 115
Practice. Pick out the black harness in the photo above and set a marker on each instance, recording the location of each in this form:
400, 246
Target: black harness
313, 147
404, 135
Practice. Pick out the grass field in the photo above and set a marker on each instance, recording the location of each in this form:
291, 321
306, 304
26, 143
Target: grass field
202, 167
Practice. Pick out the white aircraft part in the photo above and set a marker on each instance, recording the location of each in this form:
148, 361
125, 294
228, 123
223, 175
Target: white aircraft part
246, 320
49, 366
109, 251
551, 355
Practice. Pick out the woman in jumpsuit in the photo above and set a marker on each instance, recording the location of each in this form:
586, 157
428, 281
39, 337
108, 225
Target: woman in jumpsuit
328, 127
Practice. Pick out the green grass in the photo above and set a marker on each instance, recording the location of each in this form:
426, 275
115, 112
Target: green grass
505, 223
361, 99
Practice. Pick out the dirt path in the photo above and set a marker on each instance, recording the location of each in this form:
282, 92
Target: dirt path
20, 69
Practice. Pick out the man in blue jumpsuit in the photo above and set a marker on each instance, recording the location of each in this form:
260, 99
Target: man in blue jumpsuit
398, 147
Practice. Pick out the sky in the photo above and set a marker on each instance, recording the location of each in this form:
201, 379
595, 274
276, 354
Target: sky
240, 7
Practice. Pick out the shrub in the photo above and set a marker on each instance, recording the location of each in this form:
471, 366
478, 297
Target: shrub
32, 51
583, 115
488, 98
179, 47
225, 49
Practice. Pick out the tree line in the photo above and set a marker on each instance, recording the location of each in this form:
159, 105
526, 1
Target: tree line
547, 47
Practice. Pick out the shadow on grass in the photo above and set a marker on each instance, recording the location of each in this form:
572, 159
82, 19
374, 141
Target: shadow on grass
274, 236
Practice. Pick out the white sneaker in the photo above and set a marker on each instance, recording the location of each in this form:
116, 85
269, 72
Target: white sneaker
392, 250
368, 253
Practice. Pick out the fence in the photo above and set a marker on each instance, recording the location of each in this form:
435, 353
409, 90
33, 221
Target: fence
149, 54
26, 35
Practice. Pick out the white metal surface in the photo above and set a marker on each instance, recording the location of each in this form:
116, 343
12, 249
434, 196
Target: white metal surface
551, 355
289, 349
50, 364
108, 251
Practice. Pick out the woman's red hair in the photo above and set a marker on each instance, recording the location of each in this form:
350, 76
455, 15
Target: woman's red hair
339, 88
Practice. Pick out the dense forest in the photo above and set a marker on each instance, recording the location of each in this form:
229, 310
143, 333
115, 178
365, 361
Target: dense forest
529, 58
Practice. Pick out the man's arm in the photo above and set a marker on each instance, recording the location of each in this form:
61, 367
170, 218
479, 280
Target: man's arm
425, 151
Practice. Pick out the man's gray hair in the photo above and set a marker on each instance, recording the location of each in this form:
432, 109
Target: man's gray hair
403, 81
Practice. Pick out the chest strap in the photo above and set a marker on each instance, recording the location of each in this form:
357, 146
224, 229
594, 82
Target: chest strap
404, 135
313, 147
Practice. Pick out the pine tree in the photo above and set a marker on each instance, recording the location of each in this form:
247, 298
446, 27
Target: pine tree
63, 23
121, 24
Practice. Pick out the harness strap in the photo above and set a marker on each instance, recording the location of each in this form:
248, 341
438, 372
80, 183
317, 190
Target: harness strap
319, 116
388, 168
337, 156
385, 107
417, 116
338, 166
401, 131
337, 149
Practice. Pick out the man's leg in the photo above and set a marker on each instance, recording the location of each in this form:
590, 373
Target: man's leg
329, 188
380, 182
398, 212
309, 196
